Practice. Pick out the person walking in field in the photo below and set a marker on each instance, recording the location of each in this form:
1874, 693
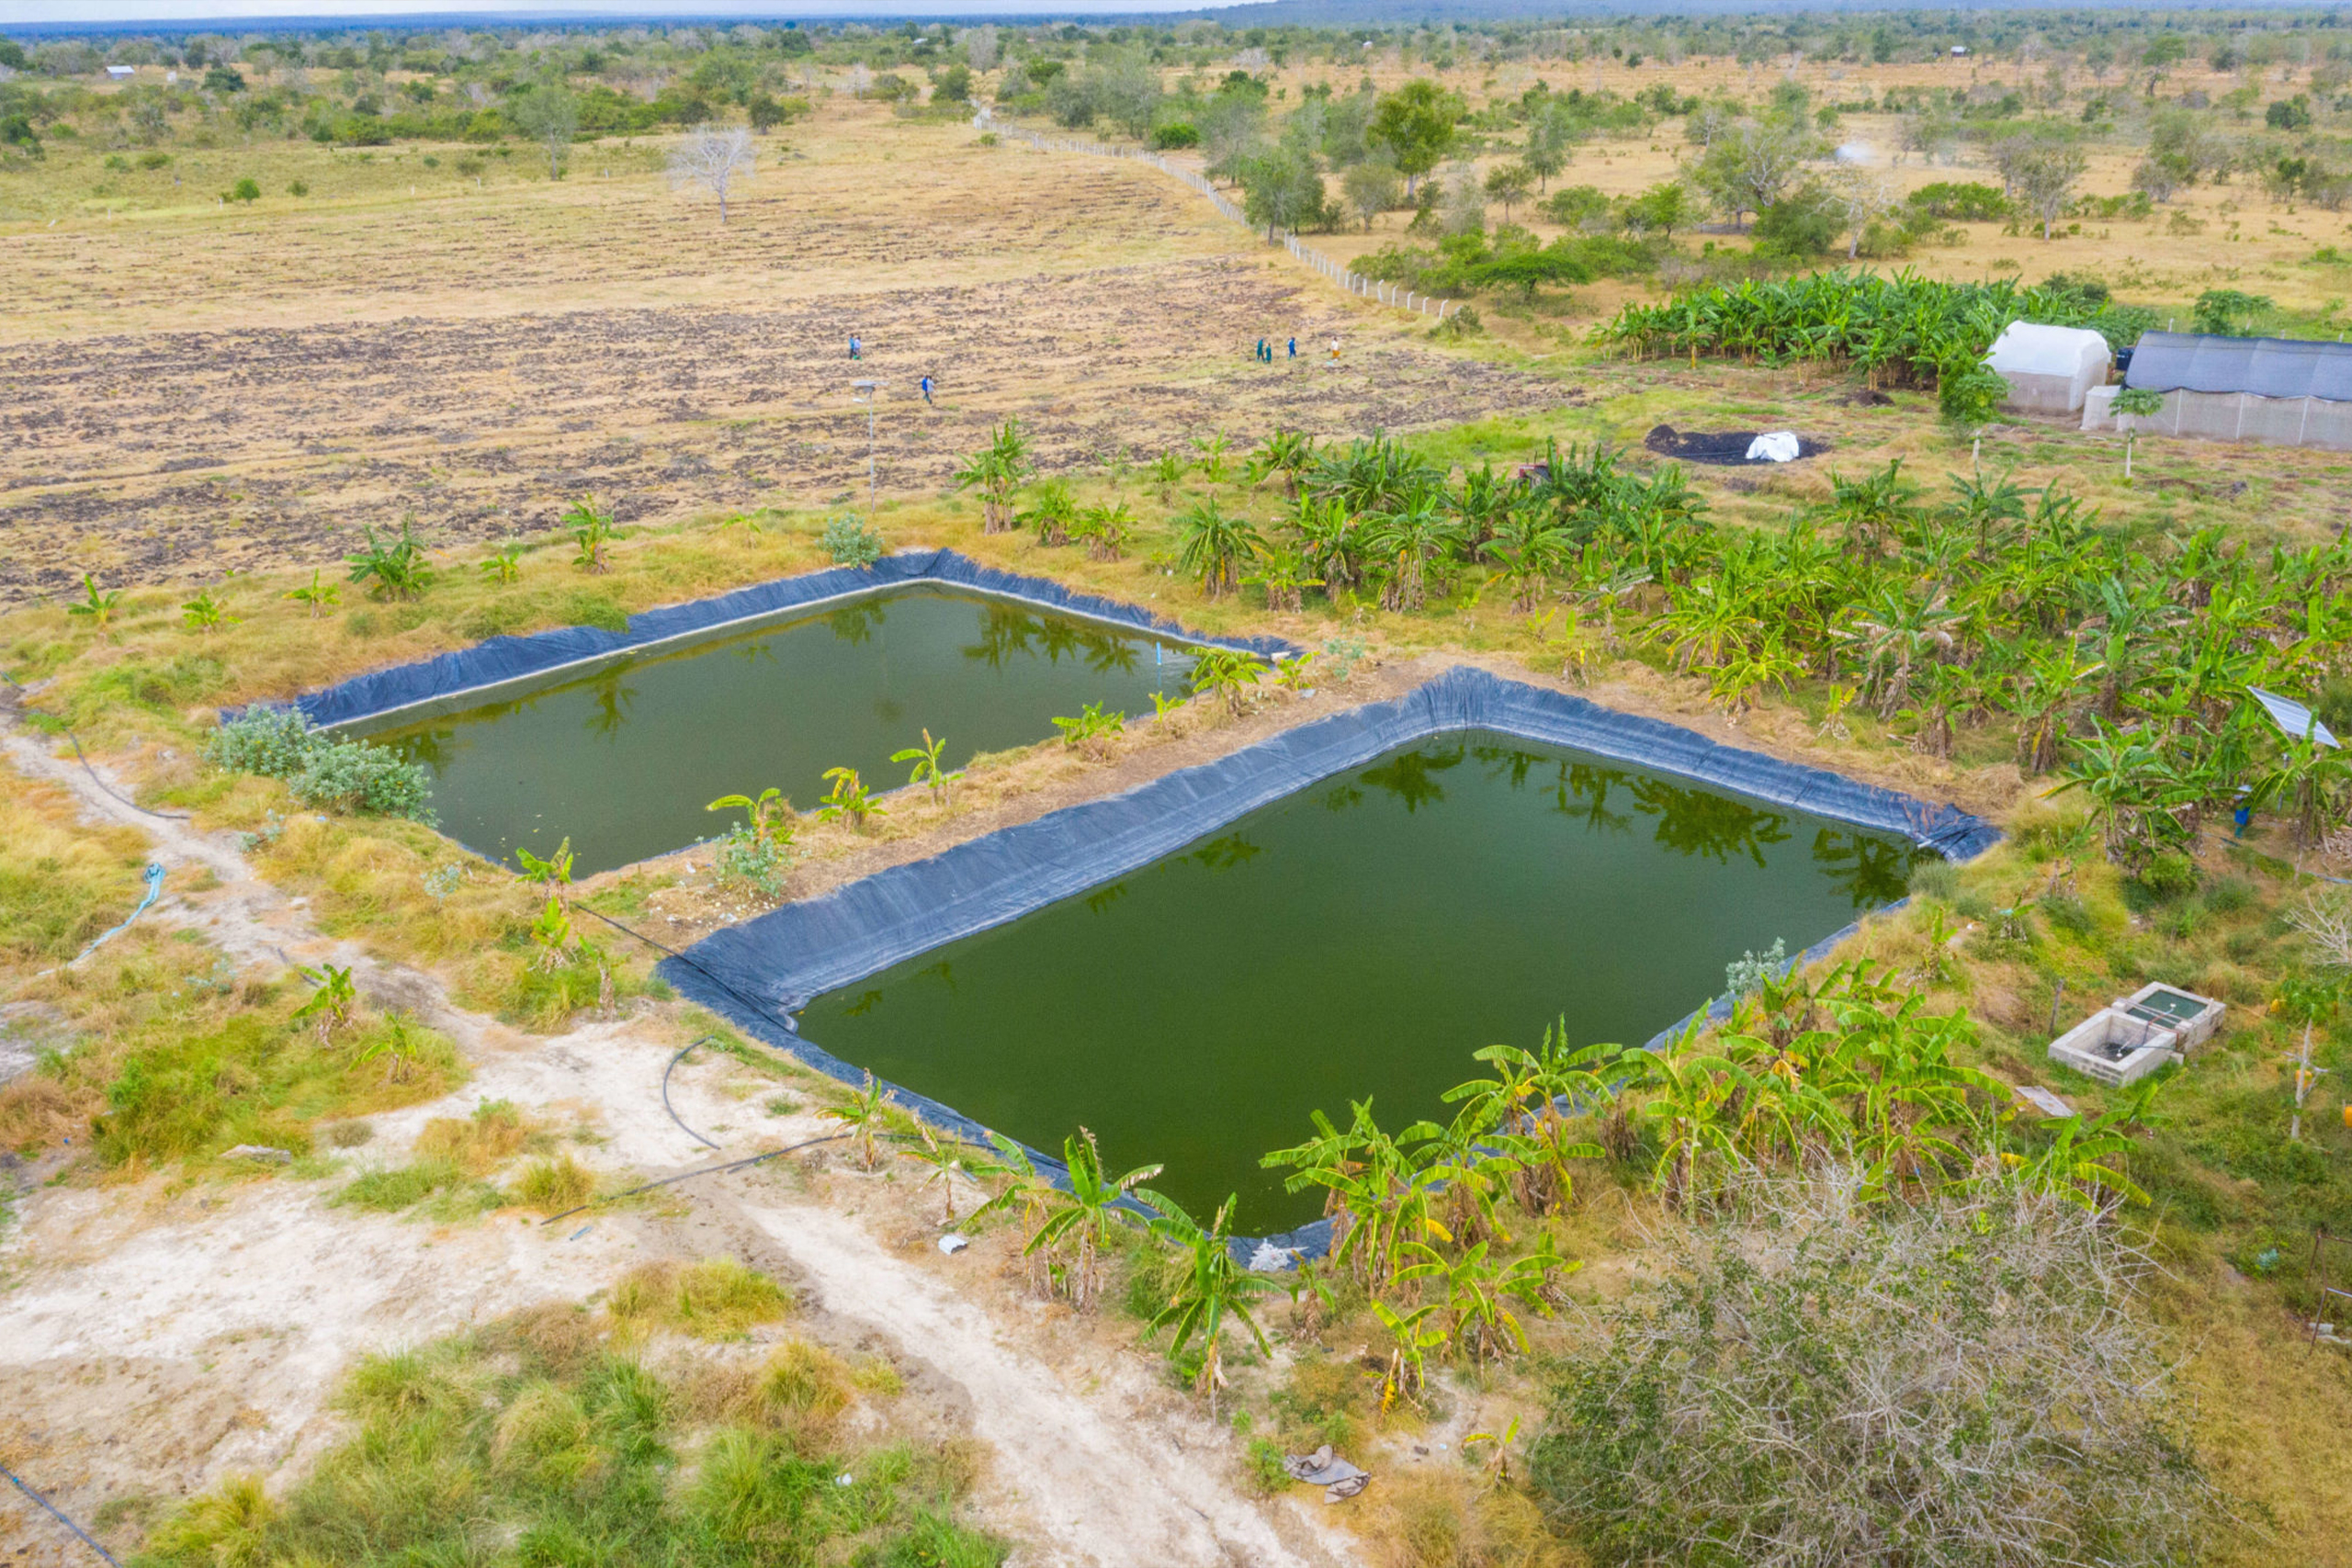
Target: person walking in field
925, 385
1293, 348
856, 349
1334, 351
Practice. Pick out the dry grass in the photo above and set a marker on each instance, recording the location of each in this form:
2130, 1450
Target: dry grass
476, 1145
555, 1185
717, 1298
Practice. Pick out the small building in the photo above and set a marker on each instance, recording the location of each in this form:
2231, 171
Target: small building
2049, 369
2287, 391
122, 72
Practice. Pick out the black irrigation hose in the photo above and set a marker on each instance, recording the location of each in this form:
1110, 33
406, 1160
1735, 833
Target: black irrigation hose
706, 1170
82, 1535
757, 1006
173, 815
681, 1056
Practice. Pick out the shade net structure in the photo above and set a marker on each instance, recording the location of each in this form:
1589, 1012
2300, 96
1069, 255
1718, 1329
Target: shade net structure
760, 973
2281, 391
502, 659
2049, 369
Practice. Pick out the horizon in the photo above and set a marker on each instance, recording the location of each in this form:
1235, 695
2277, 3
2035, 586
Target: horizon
181, 16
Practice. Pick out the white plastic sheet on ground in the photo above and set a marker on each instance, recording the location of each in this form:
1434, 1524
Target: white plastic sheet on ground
1774, 446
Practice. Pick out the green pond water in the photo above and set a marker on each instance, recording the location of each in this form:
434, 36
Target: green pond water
1359, 938
624, 759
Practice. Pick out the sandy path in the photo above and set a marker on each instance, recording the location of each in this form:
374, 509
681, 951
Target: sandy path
153, 1341
1094, 1474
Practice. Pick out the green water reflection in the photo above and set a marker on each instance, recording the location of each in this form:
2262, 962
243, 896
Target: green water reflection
623, 761
1361, 937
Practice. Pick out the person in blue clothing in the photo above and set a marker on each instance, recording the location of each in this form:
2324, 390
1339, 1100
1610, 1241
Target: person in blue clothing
1293, 348
1262, 350
856, 349
925, 384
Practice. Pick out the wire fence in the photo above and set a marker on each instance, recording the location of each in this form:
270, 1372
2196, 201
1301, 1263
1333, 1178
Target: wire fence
1372, 288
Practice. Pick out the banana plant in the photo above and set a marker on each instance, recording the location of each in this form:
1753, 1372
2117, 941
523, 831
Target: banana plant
1474, 1292
206, 613
927, 773
95, 607
1083, 1214
332, 1000
592, 531
1092, 730
551, 935
504, 564
1411, 1338
1229, 673
554, 872
849, 800
1021, 1186
863, 1113
769, 815
318, 598
943, 1163
1212, 547
395, 567
1213, 1289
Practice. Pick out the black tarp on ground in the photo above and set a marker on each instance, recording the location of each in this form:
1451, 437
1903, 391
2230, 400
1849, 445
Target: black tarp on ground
758, 973
1723, 448
505, 658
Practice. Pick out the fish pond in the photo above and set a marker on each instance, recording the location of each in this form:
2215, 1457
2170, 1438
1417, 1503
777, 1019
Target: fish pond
1359, 937
622, 759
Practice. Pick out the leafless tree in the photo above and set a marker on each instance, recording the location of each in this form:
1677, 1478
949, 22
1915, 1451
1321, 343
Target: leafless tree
1864, 196
1821, 1375
713, 158
2041, 173
979, 47
2325, 920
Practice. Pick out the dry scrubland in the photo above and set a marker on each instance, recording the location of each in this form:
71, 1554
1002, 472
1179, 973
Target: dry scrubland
2208, 236
194, 388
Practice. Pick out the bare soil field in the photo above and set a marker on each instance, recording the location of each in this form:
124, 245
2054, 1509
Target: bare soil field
482, 413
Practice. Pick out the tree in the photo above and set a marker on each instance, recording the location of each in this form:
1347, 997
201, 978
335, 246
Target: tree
1548, 141
1751, 167
1280, 189
2041, 175
1661, 210
714, 159
2228, 313
1415, 124
1510, 184
549, 115
1371, 187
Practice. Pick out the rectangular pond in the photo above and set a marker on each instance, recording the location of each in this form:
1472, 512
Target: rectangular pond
1358, 937
623, 760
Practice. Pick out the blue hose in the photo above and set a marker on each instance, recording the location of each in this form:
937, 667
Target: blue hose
61, 1518
155, 874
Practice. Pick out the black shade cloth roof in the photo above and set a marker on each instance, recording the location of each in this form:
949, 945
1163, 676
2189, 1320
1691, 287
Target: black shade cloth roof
2267, 367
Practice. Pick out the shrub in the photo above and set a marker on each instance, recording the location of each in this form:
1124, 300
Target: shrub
1800, 225
321, 772
1175, 134
850, 542
247, 190
1820, 1377
744, 858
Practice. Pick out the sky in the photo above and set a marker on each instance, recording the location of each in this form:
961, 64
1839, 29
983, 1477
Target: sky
66, 14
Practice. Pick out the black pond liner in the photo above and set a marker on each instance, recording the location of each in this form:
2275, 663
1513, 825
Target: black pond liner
502, 659
758, 973
1723, 448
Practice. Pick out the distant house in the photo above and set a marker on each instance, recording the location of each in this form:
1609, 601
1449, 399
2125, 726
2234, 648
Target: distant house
1958, 51
2287, 391
122, 72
